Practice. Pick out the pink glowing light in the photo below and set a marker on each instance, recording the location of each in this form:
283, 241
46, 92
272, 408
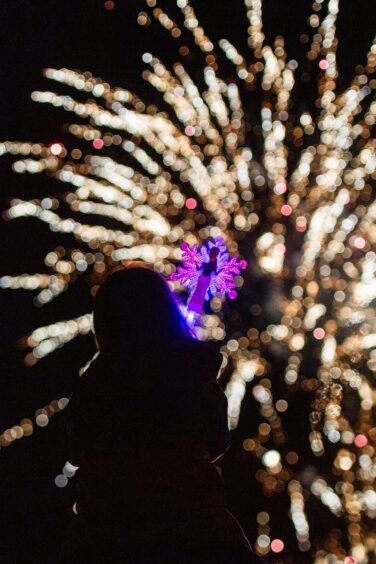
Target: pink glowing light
286, 210
56, 149
277, 545
191, 203
359, 243
350, 560
98, 144
189, 130
319, 333
280, 188
208, 268
360, 441
323, 64
344, 198
280, 248
109, 5
301, 224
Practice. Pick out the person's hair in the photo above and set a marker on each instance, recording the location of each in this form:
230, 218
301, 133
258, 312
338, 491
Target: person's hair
134, 308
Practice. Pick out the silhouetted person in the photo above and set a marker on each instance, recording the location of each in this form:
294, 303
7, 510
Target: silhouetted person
147, 420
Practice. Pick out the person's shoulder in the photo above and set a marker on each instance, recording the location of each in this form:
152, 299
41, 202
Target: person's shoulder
201, 356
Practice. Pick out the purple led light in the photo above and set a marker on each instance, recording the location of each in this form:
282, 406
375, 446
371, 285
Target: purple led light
211, 261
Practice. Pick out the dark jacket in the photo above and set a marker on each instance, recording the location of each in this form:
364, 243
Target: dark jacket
144, 435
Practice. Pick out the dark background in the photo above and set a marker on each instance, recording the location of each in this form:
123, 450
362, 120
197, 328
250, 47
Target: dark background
83, 34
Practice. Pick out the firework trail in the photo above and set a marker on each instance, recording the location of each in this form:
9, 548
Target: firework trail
198, 172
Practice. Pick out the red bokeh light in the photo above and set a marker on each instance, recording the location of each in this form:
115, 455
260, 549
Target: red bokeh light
109, 5
191, 203
323, 64
98, 143
301, 224
361, 441
319, 333
359, 243
286, 210
189, 130
277, 545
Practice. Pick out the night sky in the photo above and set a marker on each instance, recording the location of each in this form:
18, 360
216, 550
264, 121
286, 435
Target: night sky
82, 34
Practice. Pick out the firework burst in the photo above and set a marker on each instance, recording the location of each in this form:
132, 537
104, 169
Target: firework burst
299, 210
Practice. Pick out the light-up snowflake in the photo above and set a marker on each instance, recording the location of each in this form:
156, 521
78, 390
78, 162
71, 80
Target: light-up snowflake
208, 270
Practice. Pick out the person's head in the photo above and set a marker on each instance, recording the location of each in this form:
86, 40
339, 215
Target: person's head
135, 309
